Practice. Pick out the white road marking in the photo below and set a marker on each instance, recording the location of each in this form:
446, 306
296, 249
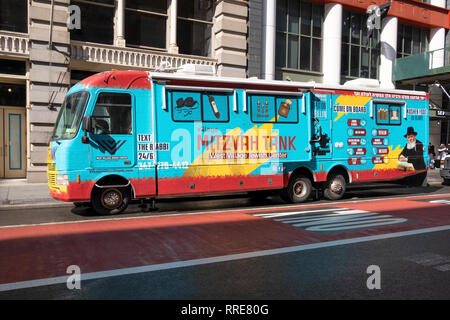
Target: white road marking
445, 267
441, 201
428, 259
292, 213
337, 220
232, 257
337, 213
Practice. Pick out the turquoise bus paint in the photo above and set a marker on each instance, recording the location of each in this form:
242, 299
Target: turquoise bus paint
150, 135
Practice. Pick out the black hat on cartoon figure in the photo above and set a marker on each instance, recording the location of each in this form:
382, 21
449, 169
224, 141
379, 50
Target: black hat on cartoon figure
410, 131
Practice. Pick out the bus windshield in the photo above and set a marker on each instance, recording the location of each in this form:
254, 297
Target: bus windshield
69, 117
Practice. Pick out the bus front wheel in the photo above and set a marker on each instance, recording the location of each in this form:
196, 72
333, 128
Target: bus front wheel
298, 190
110, 200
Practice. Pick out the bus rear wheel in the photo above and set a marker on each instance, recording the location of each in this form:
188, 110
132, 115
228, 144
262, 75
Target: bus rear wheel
107, 201
335, 188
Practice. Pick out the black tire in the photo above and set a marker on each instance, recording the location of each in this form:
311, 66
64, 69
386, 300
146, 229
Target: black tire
298, 190
259, 195
82, 204
108, 201
335, 187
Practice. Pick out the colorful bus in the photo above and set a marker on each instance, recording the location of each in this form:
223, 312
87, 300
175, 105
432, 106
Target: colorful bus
124, 135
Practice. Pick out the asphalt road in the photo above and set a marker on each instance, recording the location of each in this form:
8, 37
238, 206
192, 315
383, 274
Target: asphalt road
393, 245
413, 267
25, 216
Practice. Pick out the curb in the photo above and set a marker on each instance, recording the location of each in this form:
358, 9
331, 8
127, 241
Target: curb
42, 205
35, 205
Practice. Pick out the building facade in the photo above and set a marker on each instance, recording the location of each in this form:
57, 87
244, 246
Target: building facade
327, 42
46, 46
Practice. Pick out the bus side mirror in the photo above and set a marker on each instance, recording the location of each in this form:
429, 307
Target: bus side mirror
87, 124
87, 127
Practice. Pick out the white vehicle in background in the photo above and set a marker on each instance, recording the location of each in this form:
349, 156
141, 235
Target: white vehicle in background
445, 169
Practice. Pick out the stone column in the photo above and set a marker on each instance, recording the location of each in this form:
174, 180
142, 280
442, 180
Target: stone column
120, 24
332, 38
268, 39
388, 38
437, 40
172, 12
230, 32
49, 79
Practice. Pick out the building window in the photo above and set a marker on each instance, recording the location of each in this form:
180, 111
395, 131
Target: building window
97, 21
357, 60
12, 95
411, 40
194, 27
14, 15
299, 35
12, 67
145, 23
78, 75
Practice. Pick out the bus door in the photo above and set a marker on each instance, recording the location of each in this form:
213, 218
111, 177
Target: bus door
321, 143
112, 142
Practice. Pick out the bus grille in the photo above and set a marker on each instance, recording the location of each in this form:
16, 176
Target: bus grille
52, 179
51, 175
51, 167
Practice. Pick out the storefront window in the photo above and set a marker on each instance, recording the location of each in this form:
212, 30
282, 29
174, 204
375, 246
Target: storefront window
14, 16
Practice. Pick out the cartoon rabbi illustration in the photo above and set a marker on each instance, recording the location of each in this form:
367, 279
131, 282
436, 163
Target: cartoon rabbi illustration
412, 154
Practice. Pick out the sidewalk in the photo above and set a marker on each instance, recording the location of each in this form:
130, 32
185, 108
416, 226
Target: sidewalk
434, 178
17, 193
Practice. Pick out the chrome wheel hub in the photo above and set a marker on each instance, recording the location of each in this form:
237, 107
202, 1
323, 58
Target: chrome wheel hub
111, 198
336, 187
300, 189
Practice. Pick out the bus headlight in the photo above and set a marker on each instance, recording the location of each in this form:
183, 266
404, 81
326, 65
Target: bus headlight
62, 179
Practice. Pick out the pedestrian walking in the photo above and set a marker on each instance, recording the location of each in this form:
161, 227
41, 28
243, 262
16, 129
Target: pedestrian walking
432, 155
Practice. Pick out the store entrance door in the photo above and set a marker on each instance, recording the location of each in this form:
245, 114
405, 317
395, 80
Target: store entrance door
12, 142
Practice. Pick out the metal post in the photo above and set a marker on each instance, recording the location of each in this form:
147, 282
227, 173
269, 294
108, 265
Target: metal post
50, 41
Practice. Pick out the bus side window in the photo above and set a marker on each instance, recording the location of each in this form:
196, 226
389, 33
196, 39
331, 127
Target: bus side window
215, 107
388, 114
112, 114
382, 113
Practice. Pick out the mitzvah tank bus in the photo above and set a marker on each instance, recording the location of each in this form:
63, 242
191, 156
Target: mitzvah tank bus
124, 135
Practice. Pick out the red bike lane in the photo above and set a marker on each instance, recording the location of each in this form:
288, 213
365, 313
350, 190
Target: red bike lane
34, 252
